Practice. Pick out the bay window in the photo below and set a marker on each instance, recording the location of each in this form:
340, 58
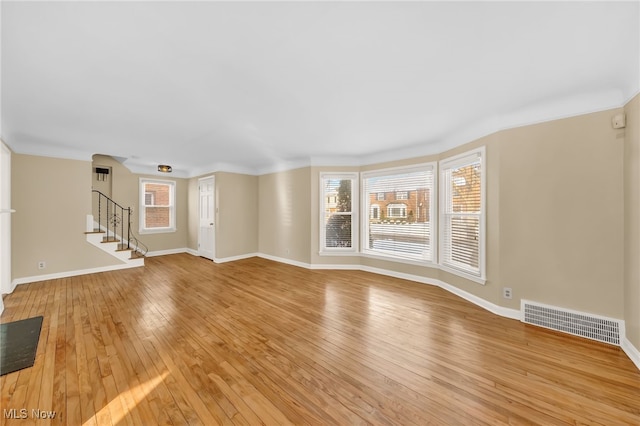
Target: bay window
429, 214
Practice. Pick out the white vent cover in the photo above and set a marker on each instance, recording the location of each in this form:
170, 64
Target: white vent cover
581, 324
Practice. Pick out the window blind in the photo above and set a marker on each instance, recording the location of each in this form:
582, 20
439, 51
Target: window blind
398, 206
462, 214
337, 222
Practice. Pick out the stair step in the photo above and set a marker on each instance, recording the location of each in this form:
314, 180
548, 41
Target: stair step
110, 240
95, 231
123, 247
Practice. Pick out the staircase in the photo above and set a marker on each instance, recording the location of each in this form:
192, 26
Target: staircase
112, 232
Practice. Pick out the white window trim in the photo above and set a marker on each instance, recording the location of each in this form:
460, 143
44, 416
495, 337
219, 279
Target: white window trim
452, 163
142, 209
376, 254
355, 209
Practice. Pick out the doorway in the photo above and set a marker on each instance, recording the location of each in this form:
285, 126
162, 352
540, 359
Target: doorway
207, 212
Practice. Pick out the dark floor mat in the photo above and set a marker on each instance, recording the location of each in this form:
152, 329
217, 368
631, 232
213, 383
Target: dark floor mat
18, 344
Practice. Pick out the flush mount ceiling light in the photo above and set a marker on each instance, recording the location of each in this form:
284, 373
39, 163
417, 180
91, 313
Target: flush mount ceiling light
164, 168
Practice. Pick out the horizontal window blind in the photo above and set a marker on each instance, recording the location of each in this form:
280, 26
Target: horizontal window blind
338, 225
399, 213
461, 219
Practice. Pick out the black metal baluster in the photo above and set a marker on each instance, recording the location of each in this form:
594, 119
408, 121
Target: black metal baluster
122, 225
99, 210
107, 221
112, 222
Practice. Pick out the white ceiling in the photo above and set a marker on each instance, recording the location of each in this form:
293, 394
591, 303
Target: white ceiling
254, 87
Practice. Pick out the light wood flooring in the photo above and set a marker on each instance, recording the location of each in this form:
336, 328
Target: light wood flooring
186, 341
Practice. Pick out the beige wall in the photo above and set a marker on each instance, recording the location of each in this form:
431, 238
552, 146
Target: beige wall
632, 222
285, 214
560, 213
237, 217
236, 200
193, 220
52, 198
125, 191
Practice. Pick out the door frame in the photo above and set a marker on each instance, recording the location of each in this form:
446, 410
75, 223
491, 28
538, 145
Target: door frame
215, 211
5, 222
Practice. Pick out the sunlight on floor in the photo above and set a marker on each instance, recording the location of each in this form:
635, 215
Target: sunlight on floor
137, 393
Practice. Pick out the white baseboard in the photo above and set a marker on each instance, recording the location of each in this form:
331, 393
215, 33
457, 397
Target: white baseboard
285, 260
234, 258
491, 307
632, 352
343, 267
222, 259
166, 252
66, 274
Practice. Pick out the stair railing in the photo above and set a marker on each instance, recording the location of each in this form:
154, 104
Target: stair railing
112, 217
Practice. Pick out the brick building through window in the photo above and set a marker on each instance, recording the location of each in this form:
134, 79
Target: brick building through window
411, 206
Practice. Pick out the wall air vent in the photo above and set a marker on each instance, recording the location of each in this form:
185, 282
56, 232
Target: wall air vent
581, 324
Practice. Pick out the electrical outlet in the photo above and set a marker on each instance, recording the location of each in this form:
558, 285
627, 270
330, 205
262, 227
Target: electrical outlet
42, 264
507, 293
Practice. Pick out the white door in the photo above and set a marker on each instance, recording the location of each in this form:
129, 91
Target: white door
5, 222
206, 232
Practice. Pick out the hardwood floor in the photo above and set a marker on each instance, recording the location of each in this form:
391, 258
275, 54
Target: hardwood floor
187, 341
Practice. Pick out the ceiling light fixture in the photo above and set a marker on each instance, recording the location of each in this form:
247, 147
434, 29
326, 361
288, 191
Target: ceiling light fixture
164, 168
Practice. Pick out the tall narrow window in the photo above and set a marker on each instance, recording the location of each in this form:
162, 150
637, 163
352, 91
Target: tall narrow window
462, 214
157, 206
338, 224
400, 226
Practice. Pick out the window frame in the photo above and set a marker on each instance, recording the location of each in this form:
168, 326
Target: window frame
433, 222
355, 214
142, 229
397, 206
461, 160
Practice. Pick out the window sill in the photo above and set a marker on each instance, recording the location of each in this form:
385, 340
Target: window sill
156, 231
414, 262
408, 261
338, 253
462, 274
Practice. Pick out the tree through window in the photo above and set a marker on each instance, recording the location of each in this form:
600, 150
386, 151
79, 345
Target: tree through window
338, 223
